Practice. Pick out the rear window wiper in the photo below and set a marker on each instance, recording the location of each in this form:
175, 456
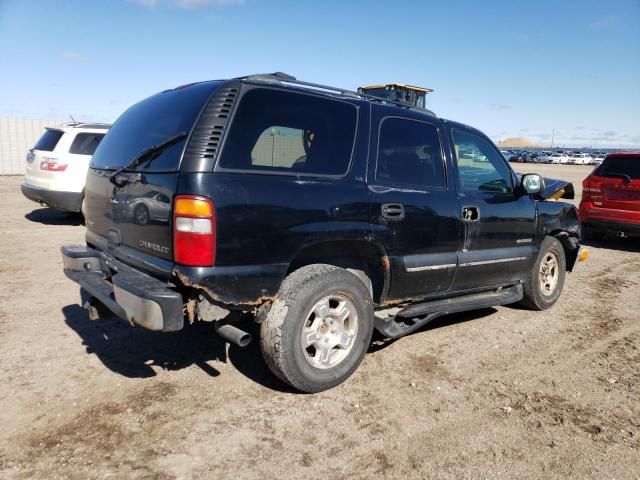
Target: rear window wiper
144, 156
624, 176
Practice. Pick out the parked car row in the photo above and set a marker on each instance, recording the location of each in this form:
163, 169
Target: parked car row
559, 157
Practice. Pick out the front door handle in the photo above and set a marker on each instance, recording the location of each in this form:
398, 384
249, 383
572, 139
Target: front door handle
392, 211
470, 214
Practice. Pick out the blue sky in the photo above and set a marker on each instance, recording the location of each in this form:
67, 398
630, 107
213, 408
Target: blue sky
508, 68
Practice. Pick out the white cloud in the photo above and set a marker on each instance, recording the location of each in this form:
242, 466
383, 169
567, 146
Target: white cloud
604, 22
205, 3
73, 57
190, 4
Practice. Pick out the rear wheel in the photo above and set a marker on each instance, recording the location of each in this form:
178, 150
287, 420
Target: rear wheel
318, 329
141, 215
544, 285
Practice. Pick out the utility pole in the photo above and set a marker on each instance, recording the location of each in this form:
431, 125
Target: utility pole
553, 133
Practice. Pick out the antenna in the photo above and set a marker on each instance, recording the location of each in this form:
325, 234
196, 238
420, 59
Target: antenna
73, 119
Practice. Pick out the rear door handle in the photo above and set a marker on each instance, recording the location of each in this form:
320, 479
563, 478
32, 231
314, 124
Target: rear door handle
470, 214
392, 211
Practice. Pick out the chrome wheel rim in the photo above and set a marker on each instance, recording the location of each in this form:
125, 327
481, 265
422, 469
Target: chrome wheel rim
329, 331
549, 273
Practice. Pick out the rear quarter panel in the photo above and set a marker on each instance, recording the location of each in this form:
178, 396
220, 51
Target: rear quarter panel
267, 219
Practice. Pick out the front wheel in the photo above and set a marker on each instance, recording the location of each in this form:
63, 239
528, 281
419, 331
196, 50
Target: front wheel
319, 327
545, 281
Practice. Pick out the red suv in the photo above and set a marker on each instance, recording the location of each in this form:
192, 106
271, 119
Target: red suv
611, 197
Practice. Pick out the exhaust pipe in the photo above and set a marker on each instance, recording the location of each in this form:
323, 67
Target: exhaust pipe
232, 334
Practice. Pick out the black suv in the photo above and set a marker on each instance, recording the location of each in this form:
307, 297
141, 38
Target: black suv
323, 212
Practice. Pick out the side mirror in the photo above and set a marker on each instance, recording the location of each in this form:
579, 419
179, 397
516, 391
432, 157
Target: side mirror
531, 183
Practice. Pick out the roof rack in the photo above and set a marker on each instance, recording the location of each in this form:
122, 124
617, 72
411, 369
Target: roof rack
284, 78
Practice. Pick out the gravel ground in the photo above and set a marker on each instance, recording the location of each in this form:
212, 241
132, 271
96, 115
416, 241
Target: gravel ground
496, 393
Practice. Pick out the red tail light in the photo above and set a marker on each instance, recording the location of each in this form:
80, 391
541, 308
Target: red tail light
52, 165
194, 231
592, 191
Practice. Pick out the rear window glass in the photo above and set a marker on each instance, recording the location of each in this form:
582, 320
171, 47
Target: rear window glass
621, 166
409, 154
85, 143
48, 140
275, 131
151, 122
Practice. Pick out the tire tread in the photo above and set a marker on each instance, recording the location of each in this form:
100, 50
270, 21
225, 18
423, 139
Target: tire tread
271, 329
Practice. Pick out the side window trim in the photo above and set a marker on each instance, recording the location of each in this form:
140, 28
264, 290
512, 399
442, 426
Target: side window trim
501, 158
248, 88
443, 157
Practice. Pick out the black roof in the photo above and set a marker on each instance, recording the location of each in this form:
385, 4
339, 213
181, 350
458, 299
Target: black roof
284, 79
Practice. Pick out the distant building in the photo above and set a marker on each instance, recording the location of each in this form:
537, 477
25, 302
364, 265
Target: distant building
17, 136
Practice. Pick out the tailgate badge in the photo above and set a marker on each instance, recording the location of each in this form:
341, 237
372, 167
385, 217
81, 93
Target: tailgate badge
153, 246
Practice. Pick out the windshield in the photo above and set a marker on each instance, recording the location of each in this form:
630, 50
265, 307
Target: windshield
150, 122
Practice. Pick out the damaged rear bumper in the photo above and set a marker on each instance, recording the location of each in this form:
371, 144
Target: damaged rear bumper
127, 292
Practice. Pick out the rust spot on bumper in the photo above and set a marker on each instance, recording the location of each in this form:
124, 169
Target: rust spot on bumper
240, 304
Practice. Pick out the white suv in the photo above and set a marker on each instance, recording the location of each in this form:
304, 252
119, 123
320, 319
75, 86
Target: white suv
57, 165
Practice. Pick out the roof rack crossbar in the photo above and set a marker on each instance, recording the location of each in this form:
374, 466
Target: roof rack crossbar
284, 78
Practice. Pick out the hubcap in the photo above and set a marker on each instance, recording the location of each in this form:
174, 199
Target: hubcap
549, 273
329, 331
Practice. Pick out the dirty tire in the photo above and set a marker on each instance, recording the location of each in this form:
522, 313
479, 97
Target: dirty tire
281, 332
534, 296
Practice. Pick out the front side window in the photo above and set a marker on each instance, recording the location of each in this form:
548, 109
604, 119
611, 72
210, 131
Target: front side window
480, 167
409, 154
286, 132
85, 143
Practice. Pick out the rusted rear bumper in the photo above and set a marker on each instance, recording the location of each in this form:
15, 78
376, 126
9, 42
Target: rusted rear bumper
127, 292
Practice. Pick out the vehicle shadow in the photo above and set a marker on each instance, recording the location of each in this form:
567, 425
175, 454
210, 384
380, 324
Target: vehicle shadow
629, 244
379, 342
134, 351
249, 362
51, 216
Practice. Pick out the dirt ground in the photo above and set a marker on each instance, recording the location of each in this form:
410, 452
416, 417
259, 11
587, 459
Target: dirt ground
496, 393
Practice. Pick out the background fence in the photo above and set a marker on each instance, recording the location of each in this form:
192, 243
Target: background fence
17, 136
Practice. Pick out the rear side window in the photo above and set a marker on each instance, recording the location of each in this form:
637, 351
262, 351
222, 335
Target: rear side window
285, 132
614, 167
409, 154
85, 143
48, 140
